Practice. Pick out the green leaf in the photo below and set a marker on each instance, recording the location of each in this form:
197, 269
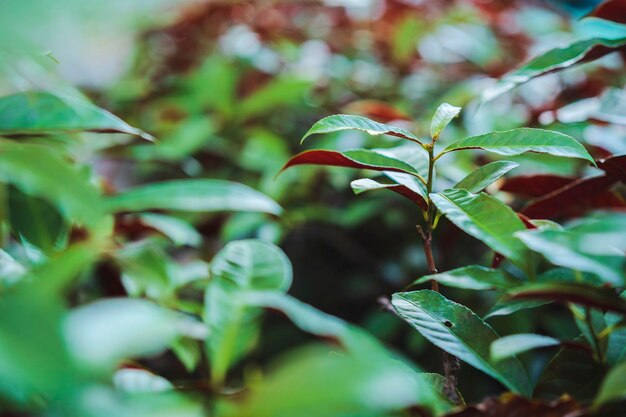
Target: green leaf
411, 189
595, 244
144, 269
457, 330
505, 307
485, 176
279, 92
105, 332
139, 381
605, 33
340, 122
443, 116
196, 195
179, 231
509, 346
40, 171
358, 158
602, 298
472, 277
487, 219
518, 141
613, 387
44, 113
233, 326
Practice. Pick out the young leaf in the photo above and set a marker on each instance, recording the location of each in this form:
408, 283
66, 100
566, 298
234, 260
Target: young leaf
485, 176
572, 292
457, 330
443, 116
508, 346
179, 231
193, 195
518, 141
44, 113
359, 158
346, 122
415, 193
613, 387
487, 219
594, 245
242, 265
473, 277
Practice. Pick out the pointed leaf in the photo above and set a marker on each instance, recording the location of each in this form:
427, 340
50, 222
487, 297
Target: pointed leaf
595, 245
613, 387
346, 122
443, 116
195, 195
457, 330
518, 141
472, 277
485, 176
360, 158
536, 185
487, 219
572, 292
508, 346
44, 113
365, 184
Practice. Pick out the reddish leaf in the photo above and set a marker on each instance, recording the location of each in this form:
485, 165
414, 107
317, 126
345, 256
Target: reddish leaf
614, 166
611, 10
535, 185
575, 199
511, 405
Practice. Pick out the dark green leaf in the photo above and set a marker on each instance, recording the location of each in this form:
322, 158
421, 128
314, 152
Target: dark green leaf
613, 387
457, 330
487, 219
508, 346
193, 195
346, 122
42, 113
472, 277
518, 141
485, 176
505, 307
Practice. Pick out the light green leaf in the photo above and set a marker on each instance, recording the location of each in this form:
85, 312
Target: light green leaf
443, 116
103, 333
518, 141
613, 387
279, 92
509, 346
140, 381
340, 122
179, 231
413, 190
457, 330
196, 195
487, 219
472, 277
485, 176
233, 326
38, 113
144, 269
38, 170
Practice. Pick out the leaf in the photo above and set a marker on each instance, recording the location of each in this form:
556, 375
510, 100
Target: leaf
233, 326
487, 219
40, 171
505, 307
518, 141
375, 109
457, 330
197, 195
613, 387
576, 199
511, 405
139, 381
563, 57
360, 158
340, 122
144, 269
593, 245
508, 346
485, 176
536, 185
279, 92
473, 277
103, 333
45, 113
572, 292
365, 184
179, 231
443, 116
614, 166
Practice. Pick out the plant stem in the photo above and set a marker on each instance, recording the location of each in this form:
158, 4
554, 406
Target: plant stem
594, 337
451, 364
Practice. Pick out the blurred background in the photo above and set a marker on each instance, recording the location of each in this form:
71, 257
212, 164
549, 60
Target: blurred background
230, 87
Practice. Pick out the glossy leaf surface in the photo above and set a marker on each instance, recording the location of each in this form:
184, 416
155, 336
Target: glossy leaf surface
508, 346
474, 277
485, 176
444, 114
